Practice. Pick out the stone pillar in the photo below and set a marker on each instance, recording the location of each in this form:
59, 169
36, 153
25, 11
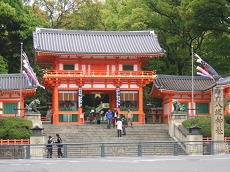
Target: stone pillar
36, 150
195, 146
217, 117
37, 141
35, 118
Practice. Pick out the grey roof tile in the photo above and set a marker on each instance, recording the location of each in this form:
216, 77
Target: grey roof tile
96, 42
11, 82
182, 83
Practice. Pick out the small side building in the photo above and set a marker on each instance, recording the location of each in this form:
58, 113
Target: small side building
12, 88
173, 87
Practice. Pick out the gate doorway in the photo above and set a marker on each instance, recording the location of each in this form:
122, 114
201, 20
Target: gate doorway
95, 104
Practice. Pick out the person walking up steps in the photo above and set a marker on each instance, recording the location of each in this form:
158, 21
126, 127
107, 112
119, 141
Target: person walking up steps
130, 118
109, 116
59, 141
119, 127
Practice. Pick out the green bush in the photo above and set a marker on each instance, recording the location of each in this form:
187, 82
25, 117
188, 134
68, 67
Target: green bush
227, 118
15, 128
205, 124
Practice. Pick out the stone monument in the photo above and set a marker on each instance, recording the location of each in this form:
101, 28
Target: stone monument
37, 140
218, 120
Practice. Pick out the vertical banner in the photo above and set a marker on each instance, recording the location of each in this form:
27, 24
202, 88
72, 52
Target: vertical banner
118, 97
80, 97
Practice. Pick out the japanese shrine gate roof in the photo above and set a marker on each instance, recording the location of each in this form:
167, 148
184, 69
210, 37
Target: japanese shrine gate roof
12, 82
96, 42
182, 83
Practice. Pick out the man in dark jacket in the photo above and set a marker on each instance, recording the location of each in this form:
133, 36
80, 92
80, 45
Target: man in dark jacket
49, 147
59, 141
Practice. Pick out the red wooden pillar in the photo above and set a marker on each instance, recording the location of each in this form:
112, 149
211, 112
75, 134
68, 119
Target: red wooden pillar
55, 105
141, 115
170, 109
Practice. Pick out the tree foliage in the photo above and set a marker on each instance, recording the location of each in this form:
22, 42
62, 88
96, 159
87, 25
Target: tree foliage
15, 128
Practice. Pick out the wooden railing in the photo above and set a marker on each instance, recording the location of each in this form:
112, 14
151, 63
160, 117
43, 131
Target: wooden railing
210, 138
14, 141
80, 73
45, 118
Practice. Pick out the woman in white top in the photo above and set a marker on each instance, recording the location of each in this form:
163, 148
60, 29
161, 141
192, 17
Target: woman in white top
119, 127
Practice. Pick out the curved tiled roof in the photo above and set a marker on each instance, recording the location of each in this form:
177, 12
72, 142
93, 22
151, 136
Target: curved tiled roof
182, 83
96, 42
11, 82
224, 81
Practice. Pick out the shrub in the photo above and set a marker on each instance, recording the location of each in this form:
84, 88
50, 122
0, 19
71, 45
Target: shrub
227, 118
15, 128
205, 124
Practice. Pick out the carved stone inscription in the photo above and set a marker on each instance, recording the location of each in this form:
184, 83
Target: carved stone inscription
217, 114
219, 119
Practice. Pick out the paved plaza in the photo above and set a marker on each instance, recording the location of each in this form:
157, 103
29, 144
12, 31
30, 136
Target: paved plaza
216, 163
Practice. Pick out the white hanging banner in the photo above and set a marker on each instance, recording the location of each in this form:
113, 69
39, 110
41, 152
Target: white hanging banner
118, 97
80, 97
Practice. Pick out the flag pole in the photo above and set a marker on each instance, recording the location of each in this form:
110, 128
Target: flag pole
21, 79
193, 108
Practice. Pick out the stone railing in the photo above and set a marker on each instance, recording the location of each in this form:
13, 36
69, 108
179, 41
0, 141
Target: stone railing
190, 142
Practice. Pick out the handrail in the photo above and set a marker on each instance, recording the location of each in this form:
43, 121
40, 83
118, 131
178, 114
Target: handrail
80, 73
14, 141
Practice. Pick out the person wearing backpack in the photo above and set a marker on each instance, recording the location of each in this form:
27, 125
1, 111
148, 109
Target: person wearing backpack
59, 141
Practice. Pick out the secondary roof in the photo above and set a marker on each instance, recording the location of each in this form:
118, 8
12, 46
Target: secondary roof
182, 83
96, 42
12, 82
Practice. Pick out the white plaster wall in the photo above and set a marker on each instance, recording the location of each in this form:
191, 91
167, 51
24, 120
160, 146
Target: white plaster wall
134, 86
60, 66
73, 86
98, 85
110, 86
87, 86
83, 67
76, 67
113, 68
135, 67
63, 86
89, 68
124, 86
120, 67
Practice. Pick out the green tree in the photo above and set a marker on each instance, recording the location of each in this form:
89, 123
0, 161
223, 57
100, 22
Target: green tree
3, 65
87, 18
17, 24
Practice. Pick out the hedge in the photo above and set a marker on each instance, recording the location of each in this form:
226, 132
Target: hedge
205, 124
15, 128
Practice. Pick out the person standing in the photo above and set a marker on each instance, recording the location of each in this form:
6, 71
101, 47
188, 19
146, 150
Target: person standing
59, 141
115, 116
119, 127
130, 117
109, 116
124, 125
49, 147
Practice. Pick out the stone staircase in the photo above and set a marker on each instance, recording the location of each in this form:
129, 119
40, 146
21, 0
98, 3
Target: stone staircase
93, 133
